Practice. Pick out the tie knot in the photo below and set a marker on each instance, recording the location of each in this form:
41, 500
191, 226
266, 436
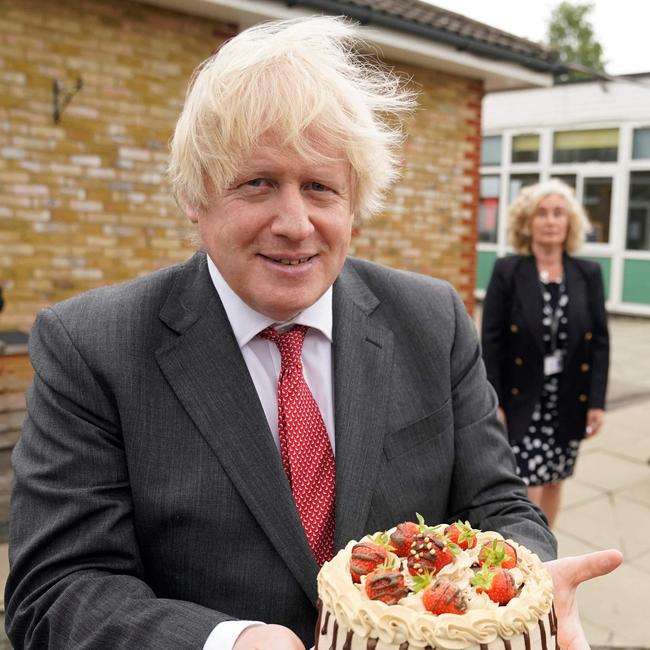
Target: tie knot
289, 343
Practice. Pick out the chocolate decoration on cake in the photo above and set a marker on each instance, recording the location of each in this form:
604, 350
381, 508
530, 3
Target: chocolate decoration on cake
372, 644
335, 632
552, 617
327, 618
542, 634
527, 640
319, 607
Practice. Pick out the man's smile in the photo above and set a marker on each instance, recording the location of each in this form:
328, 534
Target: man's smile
289, 261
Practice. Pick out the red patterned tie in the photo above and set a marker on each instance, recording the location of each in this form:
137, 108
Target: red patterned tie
304, 446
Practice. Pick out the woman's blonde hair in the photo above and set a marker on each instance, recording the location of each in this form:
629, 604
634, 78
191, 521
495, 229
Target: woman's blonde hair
302, 81
523, 209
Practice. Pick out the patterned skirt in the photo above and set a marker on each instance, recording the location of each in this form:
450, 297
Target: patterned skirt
540, 458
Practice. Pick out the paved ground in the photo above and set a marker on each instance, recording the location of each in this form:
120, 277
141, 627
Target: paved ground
607, 502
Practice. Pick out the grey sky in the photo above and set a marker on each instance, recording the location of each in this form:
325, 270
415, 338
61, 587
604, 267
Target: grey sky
620, 25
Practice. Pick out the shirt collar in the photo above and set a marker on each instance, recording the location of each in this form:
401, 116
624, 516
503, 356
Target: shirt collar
246, 323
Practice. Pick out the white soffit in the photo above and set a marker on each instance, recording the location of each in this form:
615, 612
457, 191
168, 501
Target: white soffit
497, 75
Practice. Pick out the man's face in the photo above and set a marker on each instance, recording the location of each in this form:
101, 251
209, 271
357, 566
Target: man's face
279, 235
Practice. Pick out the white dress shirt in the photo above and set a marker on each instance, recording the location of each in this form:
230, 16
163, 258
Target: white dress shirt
262, 359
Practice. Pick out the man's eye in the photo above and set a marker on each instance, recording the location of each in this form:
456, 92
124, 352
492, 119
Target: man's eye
317, 187
257, 182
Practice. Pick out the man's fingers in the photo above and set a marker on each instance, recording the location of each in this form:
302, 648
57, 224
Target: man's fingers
585, 567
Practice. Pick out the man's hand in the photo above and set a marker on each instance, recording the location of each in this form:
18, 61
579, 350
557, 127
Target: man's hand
268, 637
567, 574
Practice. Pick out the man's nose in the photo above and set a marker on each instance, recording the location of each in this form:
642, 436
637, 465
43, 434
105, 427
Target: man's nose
291, 218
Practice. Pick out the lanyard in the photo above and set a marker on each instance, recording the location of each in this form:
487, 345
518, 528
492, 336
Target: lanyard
556, 313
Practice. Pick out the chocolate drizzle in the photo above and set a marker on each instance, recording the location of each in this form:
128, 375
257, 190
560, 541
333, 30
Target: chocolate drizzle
507, 645
348, 641
319, 606
527, 640
552, 619
542, 634
372, 644
335, 633
327, 618
404, 646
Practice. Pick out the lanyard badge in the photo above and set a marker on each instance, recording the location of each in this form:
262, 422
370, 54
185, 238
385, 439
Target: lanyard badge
554, 362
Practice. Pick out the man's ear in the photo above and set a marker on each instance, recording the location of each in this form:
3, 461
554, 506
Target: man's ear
192, 214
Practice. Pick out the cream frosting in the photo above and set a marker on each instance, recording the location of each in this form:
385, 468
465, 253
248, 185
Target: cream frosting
408, 621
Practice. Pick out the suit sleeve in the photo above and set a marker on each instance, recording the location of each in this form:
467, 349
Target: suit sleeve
599, 343
77, 579
486, 490
493, 328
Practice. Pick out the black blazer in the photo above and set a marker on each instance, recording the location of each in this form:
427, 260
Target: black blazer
513, 348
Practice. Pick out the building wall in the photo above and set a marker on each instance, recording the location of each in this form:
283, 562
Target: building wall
85, 203
429, 224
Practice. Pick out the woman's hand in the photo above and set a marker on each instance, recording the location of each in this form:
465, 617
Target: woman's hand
595, 419
567, 574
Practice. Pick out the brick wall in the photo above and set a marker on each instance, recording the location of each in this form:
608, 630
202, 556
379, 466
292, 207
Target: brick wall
15, 376
84, 202
429, 225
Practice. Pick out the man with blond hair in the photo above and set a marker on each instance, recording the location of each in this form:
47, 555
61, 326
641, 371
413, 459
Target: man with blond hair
200, 440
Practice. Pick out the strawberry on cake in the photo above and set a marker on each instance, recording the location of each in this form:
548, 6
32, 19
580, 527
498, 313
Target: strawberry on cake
444, 587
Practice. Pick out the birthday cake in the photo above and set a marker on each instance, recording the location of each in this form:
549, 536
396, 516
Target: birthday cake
420, 587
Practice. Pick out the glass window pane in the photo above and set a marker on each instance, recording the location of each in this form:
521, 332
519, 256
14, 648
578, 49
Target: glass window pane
638, 212
488, 210
525, 148
568, 179
597, 200
585, 146
641, 144
517, 181
491, 150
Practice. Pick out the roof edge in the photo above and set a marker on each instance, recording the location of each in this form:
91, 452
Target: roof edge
367, 16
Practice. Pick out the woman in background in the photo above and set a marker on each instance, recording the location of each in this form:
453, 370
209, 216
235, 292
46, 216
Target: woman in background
545, 339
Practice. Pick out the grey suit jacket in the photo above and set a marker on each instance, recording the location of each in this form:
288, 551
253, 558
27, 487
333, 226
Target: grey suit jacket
150, 502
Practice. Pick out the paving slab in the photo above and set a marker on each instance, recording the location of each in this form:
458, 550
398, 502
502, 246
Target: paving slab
575, 493
610, 472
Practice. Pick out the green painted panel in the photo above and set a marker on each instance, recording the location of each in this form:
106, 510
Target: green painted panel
605, 267
636, 281
484, 268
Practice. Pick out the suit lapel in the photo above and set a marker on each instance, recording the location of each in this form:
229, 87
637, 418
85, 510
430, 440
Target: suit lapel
206, 370
529, 293
363, 352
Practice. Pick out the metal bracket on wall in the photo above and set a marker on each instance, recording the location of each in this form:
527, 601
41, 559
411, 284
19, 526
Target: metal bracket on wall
61, 98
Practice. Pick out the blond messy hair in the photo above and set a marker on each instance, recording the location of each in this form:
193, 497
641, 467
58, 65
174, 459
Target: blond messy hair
302, 81
523, 209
